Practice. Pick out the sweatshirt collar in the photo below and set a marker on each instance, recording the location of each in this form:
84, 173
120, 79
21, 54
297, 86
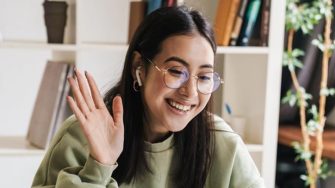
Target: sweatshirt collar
159, 146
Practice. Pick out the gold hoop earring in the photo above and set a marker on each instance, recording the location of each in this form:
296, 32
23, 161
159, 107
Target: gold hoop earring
136, 86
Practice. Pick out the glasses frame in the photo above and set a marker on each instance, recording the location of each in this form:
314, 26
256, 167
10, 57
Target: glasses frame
164, 71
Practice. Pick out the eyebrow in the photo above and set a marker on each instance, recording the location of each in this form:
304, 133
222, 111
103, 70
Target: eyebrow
180, 60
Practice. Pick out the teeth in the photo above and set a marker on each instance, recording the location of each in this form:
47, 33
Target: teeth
179, 106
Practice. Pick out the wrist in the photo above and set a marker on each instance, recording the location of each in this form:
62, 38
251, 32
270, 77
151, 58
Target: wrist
105, 160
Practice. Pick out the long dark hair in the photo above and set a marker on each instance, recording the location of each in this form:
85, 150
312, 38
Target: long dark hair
194, 143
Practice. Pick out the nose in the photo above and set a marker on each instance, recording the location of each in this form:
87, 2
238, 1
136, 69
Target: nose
189, 88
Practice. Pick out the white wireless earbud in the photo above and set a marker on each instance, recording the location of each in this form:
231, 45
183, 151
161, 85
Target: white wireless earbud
137, 72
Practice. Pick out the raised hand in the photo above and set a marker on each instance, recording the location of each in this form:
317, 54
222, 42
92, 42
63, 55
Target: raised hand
105, 134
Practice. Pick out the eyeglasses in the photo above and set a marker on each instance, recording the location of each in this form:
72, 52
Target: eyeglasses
175, 77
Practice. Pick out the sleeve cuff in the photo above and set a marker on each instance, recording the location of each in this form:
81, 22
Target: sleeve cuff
97, 173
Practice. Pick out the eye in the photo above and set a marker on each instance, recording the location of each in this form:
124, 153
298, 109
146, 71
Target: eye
206, 77
177, 71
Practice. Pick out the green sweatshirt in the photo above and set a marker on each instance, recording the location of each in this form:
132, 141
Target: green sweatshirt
67, 163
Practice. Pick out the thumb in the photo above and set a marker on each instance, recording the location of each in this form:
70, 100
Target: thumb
118, 111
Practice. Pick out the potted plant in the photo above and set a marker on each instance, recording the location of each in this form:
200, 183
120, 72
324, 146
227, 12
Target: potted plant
303, 17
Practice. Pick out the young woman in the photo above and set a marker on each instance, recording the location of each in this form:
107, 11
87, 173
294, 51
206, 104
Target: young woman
155, 127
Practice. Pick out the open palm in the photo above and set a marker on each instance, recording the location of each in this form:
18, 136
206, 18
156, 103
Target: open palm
105, 134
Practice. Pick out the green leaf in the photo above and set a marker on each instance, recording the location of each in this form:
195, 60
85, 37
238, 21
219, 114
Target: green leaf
324, 92
290, 59
324, 171
302, 154
318, 43
291, 67
314, 111
290, 98
327, 92
297, 52
312, 126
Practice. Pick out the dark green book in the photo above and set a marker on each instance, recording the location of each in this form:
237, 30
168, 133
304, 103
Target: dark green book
249, 21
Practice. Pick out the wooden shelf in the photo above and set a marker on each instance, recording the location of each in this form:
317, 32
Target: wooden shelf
242, 50
103, 46
63, 47
290, 133
38, 46
14, 145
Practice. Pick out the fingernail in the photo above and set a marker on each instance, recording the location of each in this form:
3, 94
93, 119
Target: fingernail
85, 73
74, 72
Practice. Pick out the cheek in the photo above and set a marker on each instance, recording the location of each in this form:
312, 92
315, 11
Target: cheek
204, 99
154, 88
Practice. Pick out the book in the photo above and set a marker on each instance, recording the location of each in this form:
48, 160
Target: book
224, 20
137, 14
249, 21
63, 110
265, 19
238, 23
153, 5
47, 113
168, 3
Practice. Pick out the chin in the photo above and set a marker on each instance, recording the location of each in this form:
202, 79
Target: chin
179, 127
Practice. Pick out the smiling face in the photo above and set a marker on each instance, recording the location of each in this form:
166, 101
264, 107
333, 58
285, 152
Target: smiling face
170, 110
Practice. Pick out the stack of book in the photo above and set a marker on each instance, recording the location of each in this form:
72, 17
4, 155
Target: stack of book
51, 107
242, 22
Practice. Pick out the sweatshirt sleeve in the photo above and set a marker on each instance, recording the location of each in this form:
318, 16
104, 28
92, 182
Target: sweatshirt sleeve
67, 162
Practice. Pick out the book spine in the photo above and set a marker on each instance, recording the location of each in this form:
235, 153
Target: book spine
64, 109
221, 20
265, 22
137, 14
170, 3
249, 22
238, 23
153, 5
230, 21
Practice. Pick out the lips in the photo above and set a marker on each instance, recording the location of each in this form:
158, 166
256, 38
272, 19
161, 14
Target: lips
179, 106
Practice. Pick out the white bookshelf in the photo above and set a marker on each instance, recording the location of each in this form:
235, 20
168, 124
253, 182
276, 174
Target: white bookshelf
252, 78
251, 74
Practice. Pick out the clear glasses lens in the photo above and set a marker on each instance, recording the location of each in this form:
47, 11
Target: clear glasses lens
175, 77
207, 83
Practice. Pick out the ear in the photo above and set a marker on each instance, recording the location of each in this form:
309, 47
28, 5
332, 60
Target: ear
137, 68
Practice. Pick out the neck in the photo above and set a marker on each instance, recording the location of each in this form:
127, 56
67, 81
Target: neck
154, 135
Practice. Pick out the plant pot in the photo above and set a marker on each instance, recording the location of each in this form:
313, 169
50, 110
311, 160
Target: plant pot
55, 20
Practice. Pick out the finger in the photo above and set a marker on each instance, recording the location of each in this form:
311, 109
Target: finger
80, 116
84, 90
78, 96
118, 111
98, 101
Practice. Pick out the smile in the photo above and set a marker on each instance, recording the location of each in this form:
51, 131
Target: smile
184, 108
